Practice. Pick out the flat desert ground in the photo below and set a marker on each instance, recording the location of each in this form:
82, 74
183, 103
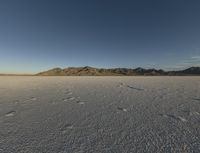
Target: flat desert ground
99, 114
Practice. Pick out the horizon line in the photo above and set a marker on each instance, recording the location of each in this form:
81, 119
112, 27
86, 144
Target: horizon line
148, 68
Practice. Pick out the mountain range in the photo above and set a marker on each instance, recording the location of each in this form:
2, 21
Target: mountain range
91, 71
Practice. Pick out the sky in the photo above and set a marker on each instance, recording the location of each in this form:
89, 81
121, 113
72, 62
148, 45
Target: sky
36, 35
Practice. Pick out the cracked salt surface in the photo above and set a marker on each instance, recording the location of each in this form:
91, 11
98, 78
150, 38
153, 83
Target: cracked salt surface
99, 114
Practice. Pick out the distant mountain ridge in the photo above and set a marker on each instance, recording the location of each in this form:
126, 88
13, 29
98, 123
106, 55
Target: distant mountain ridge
91, 71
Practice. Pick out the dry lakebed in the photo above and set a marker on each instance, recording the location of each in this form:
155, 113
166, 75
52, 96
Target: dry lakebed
158, 114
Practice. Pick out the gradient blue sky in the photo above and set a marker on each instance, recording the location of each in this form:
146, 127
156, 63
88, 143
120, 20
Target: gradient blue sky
36, 35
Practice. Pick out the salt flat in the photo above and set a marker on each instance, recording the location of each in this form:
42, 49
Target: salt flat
99, 114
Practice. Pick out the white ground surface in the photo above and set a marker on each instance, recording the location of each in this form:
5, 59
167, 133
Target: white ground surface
99, 114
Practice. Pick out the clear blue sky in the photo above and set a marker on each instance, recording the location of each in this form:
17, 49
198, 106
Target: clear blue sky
36, 35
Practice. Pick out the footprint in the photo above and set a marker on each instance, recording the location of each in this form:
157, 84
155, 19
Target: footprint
65, 100
80, 102
69, 98
66, 128
16, 102
11, 113
181, 119
131, 87
122, 109
31, 99
197, 99
121, 85
178, 118
139, 89
68, 93
69, 126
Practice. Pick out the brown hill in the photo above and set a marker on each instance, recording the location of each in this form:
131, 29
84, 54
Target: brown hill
91, 71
